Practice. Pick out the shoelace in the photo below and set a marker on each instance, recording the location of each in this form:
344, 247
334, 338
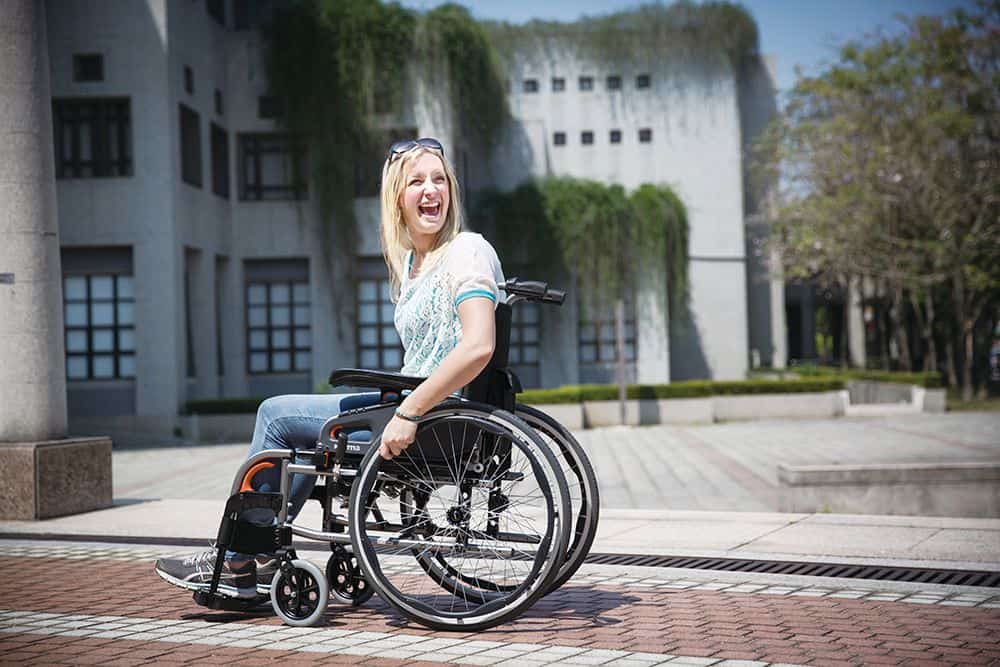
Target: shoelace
203, 558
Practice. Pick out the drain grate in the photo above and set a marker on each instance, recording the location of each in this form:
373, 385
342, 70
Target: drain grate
802, 568
837, 570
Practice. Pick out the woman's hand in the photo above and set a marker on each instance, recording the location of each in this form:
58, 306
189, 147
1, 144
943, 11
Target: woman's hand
397, 436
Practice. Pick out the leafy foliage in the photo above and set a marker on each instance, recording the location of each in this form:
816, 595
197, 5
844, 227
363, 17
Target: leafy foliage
334, 63
613, 232
646, 34
891, 160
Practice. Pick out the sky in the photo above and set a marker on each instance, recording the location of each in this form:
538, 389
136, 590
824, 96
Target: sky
795, 32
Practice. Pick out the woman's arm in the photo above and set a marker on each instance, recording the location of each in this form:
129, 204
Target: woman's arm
456, 370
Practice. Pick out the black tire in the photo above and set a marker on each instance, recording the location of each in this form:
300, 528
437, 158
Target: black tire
347, 582
487, 486
299, 593
581, 482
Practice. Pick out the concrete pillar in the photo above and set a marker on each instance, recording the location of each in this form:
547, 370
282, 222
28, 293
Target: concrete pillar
856, 326
32, 354
652, 327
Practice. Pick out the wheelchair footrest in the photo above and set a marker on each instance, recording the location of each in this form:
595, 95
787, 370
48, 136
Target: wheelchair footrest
226, 603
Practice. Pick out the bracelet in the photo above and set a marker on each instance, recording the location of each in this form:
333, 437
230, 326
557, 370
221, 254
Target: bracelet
410, 418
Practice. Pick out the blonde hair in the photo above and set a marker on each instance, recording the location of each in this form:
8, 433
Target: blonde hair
396, 240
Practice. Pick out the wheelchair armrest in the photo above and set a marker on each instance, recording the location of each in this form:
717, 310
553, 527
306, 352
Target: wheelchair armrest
359, 377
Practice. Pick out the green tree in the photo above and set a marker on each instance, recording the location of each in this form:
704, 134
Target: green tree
890, 165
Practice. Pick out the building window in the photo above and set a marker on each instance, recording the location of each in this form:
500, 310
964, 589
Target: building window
379, 347
88, 67
92, 138
217, 10
615, 136
279, 335
269, 106
642, 81
218, 102
188, 80
220, 161
530, 85
253, 14
645, 135
614, 82
524, 336
597, 341
559, 138
268, 170
190, 146
587, 138
558, 84
100, 326
586, 83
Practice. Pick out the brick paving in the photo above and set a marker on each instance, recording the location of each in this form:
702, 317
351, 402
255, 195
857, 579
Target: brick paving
119, 612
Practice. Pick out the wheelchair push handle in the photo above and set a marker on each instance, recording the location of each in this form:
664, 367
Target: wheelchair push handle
532, 290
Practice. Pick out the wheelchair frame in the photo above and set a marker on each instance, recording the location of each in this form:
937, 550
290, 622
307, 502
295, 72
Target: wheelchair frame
299, 591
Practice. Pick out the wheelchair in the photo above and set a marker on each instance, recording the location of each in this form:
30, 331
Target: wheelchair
494, 504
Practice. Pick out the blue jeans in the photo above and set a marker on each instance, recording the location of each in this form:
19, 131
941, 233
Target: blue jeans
293, 421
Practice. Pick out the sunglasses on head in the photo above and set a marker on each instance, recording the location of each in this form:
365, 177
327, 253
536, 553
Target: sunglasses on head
408, 145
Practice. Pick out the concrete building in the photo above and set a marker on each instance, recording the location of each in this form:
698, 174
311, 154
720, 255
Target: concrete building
194, 266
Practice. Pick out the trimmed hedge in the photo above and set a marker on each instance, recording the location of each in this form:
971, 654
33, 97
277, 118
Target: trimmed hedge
817, 380
688, 389
924, 379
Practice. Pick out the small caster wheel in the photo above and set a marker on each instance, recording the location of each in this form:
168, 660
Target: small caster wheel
299, 593
347, 582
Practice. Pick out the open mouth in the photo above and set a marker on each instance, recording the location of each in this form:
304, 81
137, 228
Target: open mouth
430, 210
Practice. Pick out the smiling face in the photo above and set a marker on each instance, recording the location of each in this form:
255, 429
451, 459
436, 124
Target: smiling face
425, 199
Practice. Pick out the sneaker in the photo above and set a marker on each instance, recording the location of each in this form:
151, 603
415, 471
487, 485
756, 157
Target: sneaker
266, 567
195, 573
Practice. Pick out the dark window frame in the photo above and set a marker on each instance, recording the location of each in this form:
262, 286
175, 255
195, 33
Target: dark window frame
558, 84
188, 80
105, 117
190, 143
89, 329
645, 135
268, 328
587, 138
219, 139
381, 348
254, 145
269, 107
615, 137
613, 82
585, 83
217, 10
600, 342
643, 81
526, 317
88, 67
558, 138
529, 86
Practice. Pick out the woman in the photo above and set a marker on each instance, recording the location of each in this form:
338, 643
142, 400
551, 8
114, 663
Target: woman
445, 285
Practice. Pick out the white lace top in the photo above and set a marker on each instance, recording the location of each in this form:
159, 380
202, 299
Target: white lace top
427, 311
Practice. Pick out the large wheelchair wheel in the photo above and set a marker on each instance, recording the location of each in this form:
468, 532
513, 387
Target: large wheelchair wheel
584, 506
582, 485
467, 527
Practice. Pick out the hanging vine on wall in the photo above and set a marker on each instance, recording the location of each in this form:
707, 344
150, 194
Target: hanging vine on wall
646, 34
334, 63
609, 236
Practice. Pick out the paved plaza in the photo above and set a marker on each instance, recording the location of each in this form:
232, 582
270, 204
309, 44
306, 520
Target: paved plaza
715, 467
81, 589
